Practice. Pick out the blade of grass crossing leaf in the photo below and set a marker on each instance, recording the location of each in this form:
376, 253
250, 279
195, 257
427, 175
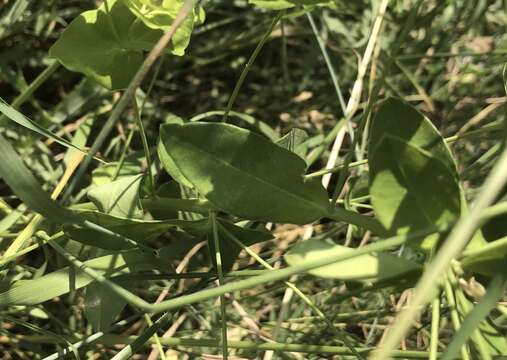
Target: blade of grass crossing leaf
221, 281
493, 293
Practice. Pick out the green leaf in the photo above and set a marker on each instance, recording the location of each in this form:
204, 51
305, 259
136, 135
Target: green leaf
410, 167
102, 306
373, 267
294, 141
96, 44
411, 189
243, 173
57, 283
119, 198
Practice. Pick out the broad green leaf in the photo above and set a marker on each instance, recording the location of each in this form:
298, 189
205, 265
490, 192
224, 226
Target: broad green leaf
294, 141
96, 44
398, 119
102, 306
285, 4
228, 248
119, 198
243, 173
373, 267
411, 189
31, 292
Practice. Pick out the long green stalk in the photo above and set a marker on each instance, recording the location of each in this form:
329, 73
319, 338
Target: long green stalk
248, 65
221, 281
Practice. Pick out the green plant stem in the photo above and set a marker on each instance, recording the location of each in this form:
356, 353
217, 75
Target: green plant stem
296, 290
146, 147
248, 345
451, 248
221, 281
435, 325
330, 68
34, 85
128, 95
248, 66
123, 155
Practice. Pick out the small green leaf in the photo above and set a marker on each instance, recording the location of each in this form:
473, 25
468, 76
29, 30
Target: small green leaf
373, 267
102, 306
119, 198
243, 173
411, 189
